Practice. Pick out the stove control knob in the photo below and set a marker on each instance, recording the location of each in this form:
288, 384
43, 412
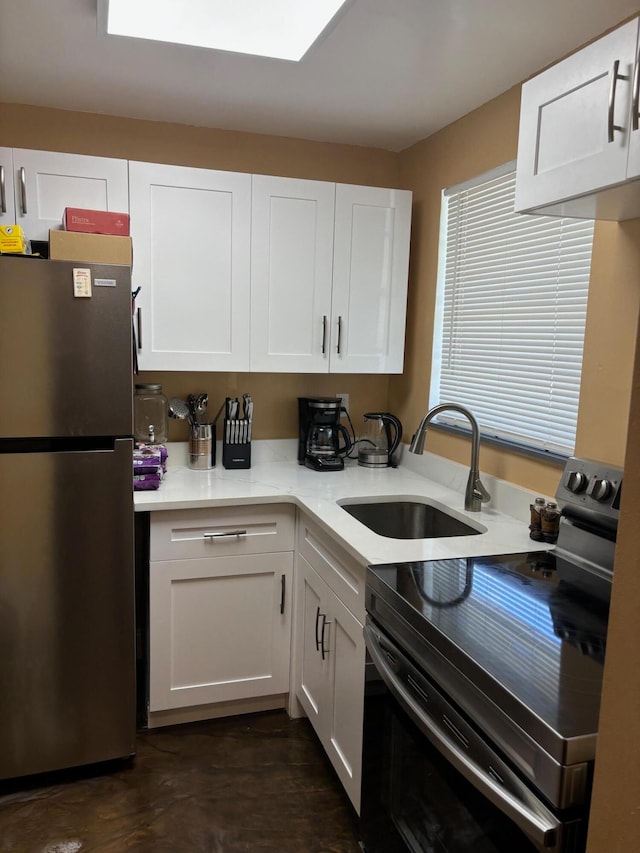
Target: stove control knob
576, 481
599, 488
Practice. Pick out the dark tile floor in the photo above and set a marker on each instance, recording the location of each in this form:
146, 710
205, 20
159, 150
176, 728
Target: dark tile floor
254, 783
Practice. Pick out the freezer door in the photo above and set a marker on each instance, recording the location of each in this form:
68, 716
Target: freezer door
67, 632
65, 360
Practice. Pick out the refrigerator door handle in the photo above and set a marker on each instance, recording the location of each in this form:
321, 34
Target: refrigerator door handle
139, 327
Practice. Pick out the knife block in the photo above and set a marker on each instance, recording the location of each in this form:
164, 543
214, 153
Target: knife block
235, 454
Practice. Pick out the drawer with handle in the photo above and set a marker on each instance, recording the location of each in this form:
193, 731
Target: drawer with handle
219, 531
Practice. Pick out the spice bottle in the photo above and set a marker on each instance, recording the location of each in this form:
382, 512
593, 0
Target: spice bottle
535, 527
550, 518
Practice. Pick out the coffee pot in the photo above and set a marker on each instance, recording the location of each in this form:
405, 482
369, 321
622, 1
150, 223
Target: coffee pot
324, 441
377, 446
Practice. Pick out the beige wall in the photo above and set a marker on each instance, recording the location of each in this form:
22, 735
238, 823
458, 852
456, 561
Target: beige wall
615, 816
274, 394
480, 141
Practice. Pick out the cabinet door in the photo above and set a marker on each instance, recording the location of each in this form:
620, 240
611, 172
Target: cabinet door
46, 182
191, 232
312, 675
633, 163
329, 682
7, 206
370, 269
574, 123
291, 268
345, 648
219, 629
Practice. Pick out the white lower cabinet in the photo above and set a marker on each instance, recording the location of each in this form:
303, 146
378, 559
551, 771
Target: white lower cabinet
222, 602
329, 677
220, 625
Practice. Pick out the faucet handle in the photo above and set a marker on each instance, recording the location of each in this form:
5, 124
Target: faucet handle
479, 491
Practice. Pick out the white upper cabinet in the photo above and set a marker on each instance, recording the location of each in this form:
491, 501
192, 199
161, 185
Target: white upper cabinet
329, 266
191, 258
291, 274
579, 147
370, 270
45, 182
7, 205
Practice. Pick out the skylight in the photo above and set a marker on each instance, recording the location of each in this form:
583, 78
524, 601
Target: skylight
281, 29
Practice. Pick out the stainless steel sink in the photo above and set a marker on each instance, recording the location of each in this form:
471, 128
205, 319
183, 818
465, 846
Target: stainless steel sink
407, 519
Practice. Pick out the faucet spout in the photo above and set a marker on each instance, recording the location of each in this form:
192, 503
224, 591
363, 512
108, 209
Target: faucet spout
475, 493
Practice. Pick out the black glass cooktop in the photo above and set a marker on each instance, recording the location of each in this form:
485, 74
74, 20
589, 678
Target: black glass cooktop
527, 629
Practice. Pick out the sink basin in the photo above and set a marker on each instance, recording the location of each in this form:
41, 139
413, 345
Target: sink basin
407, 519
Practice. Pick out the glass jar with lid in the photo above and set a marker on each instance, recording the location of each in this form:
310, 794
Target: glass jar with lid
150, 409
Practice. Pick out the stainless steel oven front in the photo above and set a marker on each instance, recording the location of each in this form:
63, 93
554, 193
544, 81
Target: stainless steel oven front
433, 783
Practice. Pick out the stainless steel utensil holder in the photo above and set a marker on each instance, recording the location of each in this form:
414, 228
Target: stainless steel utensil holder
202, 446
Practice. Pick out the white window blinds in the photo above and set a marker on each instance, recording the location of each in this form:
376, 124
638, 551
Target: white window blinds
510, 316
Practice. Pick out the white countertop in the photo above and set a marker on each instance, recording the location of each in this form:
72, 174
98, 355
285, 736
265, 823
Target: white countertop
276, 477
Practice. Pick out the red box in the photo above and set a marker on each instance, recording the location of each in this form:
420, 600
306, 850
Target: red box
96, 221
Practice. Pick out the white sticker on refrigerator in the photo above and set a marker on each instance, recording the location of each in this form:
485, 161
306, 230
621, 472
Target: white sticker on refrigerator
81, 282
104, 282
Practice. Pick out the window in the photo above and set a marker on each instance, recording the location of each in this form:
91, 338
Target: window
510, 315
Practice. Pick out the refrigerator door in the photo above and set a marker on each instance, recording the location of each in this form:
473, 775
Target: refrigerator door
67, 632
65, 360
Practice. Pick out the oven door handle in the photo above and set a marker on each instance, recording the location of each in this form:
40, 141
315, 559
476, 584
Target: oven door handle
523, 807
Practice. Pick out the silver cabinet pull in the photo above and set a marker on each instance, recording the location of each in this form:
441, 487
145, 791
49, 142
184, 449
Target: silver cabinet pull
139, 325
228, 534
324, 652
635, 98
3, 192
615, 76
317, 621
339, 334
324, 334
283, 587
23, 189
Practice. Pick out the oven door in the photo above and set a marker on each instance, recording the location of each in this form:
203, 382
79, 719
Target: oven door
432, 784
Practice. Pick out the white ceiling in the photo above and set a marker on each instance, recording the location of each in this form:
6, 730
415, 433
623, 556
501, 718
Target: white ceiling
386, 73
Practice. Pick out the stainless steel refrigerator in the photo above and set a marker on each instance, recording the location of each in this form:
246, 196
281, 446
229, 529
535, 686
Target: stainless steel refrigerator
67, 632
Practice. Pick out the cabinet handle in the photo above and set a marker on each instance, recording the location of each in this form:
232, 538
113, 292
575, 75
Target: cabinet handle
317, 637
611, 127
324, 652
23, 190
3, 192
324, 334
223, 535
339, 334
635, 100
139, 325
283, 587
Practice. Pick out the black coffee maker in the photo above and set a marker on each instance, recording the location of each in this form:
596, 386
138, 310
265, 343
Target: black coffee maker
320, 433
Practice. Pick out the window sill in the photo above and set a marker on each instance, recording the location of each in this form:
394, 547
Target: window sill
551, 456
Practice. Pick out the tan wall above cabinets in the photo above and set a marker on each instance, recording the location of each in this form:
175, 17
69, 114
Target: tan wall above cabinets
480, 141
23, 126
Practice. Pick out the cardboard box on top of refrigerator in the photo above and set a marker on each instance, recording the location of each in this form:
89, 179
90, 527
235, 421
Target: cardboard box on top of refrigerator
96, 221
90, 248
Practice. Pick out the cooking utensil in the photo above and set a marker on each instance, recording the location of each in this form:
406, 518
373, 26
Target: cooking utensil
178, 409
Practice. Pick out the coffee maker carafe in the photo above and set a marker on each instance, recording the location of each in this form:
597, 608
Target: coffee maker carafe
378, 445
320, 434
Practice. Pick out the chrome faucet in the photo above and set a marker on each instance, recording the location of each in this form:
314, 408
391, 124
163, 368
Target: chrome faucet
475, 494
